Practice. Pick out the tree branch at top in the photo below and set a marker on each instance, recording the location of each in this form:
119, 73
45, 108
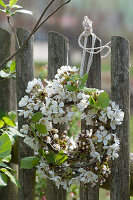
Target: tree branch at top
36, 27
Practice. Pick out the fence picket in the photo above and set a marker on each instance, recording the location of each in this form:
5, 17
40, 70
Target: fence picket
7, 104
57, 57
94, 81
120, 94
24, 74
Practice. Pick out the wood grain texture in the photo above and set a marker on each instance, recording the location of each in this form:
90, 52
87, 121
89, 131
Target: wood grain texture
57, 53
120, 94
94, 81
57, 56
6, 85
5, 44
7, 103
24, 74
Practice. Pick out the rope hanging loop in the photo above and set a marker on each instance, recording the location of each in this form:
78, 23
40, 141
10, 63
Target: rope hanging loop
88, 30
87, 24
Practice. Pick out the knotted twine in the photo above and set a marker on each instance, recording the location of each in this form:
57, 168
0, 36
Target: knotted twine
87, 24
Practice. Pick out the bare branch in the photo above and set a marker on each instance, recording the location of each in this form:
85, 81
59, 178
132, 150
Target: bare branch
39, 20
37, 26
13, 29
84, 164
52, 148
51, 15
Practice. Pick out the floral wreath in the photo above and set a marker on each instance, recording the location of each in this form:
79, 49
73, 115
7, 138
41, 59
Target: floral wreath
81, 158
60, 158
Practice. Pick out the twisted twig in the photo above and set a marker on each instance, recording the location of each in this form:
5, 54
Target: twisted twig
84, 164
14, 30
37, 26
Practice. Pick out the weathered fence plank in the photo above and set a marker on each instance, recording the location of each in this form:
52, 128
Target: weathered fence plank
5, 92
24, 74
107, 184
57, 56
120, 94
7, 104
94, 81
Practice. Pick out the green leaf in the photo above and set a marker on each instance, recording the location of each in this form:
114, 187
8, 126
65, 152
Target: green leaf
61, 158
8, 12
83, 80
2, 4
5, 146
8, 121
50, 157
7, 159
103, 100
3, 179
41, 128
12, 178
37, 116
12, 3
13, 67
29, 162
71, 88
92, 101
12, 115
24, 12
6, 166
2, 123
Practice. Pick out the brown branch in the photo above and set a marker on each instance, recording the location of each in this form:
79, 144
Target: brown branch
52, 148
37, 26
39, 20
84, 164
51, 14
14, 30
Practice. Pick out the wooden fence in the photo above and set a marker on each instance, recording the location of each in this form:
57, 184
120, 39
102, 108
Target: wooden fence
58, 55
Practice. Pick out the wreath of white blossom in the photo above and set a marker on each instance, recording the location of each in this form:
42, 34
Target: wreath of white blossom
81, 158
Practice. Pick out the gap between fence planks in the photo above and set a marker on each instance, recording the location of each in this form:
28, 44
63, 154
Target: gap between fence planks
7, 103
24, 74
120, 189
58, 48
94, 81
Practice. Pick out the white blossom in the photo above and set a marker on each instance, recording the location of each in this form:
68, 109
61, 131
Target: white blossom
61, 104
23, 101
56, 136
25, 129
3, 74
48, 140
103, 136
31, 84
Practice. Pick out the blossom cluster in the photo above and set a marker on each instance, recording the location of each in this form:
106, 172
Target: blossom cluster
63, 159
